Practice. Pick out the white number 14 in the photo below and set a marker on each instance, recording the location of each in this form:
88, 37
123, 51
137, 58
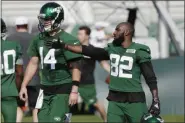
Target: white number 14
49, 58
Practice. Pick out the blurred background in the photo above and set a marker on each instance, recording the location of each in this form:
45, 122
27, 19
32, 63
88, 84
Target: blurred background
158, 24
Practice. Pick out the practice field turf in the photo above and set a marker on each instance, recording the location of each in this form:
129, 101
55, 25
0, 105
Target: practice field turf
92, 118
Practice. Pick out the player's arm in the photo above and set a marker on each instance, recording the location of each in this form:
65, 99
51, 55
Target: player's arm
105, 65
30, 72
19, 75
75, 66
150, 78
96, 53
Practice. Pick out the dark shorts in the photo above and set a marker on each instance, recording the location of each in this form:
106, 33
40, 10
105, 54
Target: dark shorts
33, 92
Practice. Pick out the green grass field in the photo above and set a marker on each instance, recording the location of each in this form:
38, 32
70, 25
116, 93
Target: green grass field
92, 118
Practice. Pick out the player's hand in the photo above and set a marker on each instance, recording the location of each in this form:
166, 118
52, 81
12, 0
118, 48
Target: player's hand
23, 94
155, 107
107, 79
73, 98
58, 44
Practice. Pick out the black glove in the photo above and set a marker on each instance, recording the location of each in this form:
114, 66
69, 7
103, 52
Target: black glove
58, 44
155, 107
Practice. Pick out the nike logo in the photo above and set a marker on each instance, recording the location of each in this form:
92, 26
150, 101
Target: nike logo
75, 43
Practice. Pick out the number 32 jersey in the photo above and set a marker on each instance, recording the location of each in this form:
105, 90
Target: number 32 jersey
11, 54
53, 62
125, 66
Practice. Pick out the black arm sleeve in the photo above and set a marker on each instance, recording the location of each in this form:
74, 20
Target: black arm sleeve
95, 53
149, 75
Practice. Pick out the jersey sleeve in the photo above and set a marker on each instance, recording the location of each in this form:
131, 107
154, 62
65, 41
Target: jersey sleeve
70, 55
143, 55
32, 49
19, 59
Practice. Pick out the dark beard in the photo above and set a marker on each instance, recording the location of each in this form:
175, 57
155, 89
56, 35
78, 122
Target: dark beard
118, 42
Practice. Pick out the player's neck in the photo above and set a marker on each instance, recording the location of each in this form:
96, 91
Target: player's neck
126, 43
22, 30
54, 32
85, 43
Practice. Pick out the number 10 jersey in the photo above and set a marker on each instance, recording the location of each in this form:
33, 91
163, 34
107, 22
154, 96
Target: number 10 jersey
11, 54
125, 66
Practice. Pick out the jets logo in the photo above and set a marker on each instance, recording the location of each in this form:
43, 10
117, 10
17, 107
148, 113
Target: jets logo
57, 9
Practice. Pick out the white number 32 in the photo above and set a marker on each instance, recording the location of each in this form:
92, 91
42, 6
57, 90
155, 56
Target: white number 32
118, 68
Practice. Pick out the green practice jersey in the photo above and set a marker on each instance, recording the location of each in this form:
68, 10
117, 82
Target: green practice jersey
125, 70
11, 55
53, 62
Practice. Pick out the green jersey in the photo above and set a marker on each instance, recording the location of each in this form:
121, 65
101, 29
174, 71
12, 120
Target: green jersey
125, 69
11, 54
53, 62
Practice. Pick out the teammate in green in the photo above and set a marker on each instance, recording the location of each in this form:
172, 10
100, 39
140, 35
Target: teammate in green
129, 60
60, 69
11, 75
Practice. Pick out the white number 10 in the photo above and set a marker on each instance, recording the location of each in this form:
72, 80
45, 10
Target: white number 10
6, 66
117, 69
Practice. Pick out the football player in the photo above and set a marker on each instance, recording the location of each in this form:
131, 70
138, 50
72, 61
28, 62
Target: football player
11, 75
60, 69
87, 87
128, 61
24, 38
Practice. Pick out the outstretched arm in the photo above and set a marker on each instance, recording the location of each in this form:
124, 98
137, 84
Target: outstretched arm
94, 52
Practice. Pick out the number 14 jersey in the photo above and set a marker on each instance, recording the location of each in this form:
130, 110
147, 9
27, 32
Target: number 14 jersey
125, 66
53, 62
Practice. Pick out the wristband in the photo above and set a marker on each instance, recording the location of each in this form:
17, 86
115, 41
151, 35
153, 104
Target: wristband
76, 83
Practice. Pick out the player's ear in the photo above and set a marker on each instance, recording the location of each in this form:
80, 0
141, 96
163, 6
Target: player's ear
127, 32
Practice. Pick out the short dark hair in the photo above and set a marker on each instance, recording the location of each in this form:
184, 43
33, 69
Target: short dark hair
86, 28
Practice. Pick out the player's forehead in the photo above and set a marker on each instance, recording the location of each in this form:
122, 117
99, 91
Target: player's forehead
120, 27
81, 31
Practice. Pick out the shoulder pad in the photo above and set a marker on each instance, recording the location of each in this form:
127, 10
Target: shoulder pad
143, 48
70, 39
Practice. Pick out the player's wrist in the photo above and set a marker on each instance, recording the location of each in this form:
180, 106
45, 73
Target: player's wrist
74, 92
23, 85
156, 99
